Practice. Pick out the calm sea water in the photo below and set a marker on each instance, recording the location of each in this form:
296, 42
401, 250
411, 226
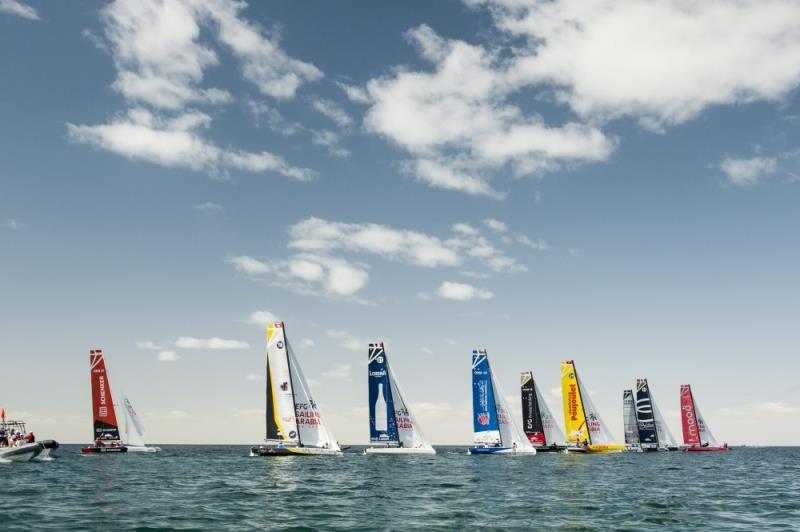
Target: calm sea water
221, 488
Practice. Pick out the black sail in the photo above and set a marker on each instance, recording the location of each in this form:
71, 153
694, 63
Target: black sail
531, 413
646, 421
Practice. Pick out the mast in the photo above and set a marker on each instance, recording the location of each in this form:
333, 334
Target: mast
583, 408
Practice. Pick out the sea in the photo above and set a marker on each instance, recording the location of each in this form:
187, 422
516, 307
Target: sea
189, 487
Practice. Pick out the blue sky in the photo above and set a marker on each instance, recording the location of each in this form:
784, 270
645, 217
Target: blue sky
546, 180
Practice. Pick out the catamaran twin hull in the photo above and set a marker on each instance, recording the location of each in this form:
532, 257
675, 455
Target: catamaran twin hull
269, 450
502, 450
597, 448
400, 450
708, 449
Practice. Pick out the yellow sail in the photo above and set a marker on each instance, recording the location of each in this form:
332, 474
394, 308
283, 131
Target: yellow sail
574, 419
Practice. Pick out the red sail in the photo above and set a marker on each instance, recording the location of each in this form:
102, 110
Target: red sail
691, 433
105, 419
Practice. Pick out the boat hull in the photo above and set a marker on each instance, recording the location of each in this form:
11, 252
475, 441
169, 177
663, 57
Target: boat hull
400, 450
104, 450
551, 449
708, 449
263, 450
600, 449
502, 450
23, 453
142, 449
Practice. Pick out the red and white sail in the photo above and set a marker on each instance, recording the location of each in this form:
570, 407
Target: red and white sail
104, 417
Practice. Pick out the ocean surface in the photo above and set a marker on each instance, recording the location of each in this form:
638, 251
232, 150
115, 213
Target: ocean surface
188, 487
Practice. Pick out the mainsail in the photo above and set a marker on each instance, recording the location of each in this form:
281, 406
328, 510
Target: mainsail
691, 434
582, 421
103, 414
134, 432
492, 420
629, 419
293, 417
645, 417
390, 418
537, 421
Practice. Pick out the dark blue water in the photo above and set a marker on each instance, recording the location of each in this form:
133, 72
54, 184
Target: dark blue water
221, 488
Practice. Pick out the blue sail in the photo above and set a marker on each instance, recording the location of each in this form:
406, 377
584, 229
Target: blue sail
484, 409
382, 420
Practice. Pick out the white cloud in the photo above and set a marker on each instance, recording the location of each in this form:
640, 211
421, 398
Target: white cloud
147, 344
426, 350
584, 49
18, 8
186, 342
496, 225
537, 244
309, 273
209, 207
461, 292
459, 124
354, 94
307, 343
332, 111
274, 119
660, 63
341, 372
176, 142
423, 296
168, 356
747, 172
347, 339
12, 224
330, 140
254, 377
261, 318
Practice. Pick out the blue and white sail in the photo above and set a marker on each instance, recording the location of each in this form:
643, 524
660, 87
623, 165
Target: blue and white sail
494, 428
392, 426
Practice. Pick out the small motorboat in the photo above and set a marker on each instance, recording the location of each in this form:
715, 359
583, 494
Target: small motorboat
26, 448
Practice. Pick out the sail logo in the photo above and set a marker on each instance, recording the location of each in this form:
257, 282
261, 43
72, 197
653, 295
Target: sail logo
280, 344
691, 422
572, 398
381, 373
483, 418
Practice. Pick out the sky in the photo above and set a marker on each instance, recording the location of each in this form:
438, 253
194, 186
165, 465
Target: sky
615, 182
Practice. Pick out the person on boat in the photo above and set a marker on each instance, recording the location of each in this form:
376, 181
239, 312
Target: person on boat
98, 442
514, 447
400, 444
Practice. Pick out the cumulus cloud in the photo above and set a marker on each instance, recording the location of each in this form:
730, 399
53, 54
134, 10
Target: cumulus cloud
747, 172
262, 317
469, 116
342, 372
176, 142
461, 292
332, 110
14, 7
187, 342
309, 273
496, 225
598, 57
209, 207
330, 140
263, 113
347, 340
168, 356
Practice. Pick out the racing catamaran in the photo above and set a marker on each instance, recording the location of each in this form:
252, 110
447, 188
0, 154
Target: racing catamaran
537, 421
392, 427
295, 425
495, 431
106, 429
586, 431
696, 435
653, 432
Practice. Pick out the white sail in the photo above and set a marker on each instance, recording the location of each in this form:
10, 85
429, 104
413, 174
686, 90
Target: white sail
552, 432
706, 437
134, 432
282, 393
665, 437
313, 431
408, 430
510, 433
598, 430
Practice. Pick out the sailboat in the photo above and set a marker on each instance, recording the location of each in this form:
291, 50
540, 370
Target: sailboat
586, 431
653, 433
629, 422
106, 429
537, 421
392, 427
295, 425
696, 435
495, 431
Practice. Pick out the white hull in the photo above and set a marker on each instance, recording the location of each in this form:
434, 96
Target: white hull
506, 451
24, 453
400, 450
142, 449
